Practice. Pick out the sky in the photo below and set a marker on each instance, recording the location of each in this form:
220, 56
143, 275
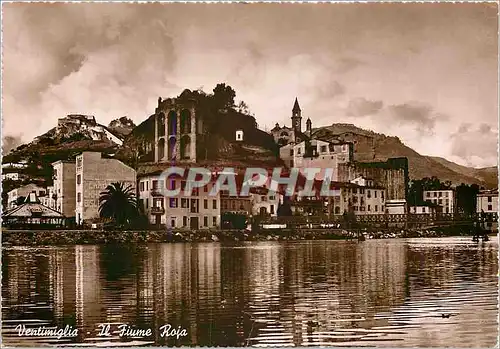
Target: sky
426, 73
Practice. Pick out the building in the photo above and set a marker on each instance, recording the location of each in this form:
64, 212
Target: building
32, 214
285, 135
487, 208
49, 199
23, 192
240, 205
425, 208
93, 174
444, 198
197, 211
64, 187
391, 175
316, 153
12, 176
264, 202
76, 123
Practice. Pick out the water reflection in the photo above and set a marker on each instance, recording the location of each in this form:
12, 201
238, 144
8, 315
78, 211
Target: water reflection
374, 293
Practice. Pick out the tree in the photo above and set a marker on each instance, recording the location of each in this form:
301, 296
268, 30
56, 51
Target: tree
119, 203
224, 96
243, 108
466, 198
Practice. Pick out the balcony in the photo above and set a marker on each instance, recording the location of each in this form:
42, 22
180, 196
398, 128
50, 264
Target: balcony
156, 192
157, 210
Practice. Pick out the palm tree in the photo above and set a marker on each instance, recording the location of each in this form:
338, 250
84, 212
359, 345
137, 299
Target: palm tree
118, 203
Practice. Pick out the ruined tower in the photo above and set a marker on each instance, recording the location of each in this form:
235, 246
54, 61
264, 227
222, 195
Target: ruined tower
176, 129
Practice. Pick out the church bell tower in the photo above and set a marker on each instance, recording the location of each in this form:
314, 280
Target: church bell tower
296, 117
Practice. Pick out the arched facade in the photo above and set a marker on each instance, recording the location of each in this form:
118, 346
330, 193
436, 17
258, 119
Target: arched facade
176, 129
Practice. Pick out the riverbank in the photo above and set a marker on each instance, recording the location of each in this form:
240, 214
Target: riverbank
82, 237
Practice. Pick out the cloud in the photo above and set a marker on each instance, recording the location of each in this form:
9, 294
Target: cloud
116, 59
422, 116
361, 107
9, 143
477, 146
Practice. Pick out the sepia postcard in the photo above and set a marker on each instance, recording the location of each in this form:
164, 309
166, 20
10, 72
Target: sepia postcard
249, 174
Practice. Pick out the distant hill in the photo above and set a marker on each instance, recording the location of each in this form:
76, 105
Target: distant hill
72, 135
371, 146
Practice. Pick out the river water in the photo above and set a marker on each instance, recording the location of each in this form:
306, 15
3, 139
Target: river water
387, 293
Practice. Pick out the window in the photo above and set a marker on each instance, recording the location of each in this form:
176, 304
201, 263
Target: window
376, 208
214, 204
435, 194
354, 190
272, 209
158, 202
428, 194
490, 207
224, 205
298, 151
185, 203
440, 201
440, 194
272, 197
79, 179
369, 195
183, 185
173, 203
446, 194
184, 221
214, 221
155, 184
79, 197
355, 208
147, 203
375, 194
171, 184
323, 148
205, 204
172, 222
489, 198
141, 186
147, 185
369, 208
382, 194
205, 221
264, 198
291, 152
423, 209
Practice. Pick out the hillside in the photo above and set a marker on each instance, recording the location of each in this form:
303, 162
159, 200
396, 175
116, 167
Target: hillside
371, 146
73, 135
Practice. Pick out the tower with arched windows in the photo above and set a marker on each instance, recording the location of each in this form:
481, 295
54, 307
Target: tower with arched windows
176, 128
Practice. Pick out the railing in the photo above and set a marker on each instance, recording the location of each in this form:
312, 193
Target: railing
378, 218
157, 210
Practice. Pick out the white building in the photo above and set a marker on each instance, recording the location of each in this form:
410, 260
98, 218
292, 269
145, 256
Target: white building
444, 198
24, 191
423, 209
64, 188
93, 174
49, 199
487, 205
197, 211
